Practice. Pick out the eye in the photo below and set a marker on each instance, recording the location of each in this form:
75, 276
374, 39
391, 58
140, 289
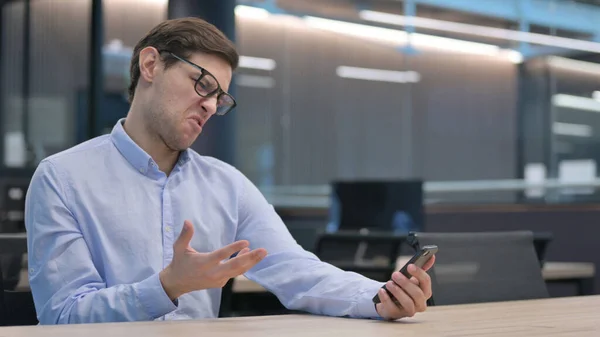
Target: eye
203, 85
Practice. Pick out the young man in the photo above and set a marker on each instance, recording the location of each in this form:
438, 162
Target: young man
136, 226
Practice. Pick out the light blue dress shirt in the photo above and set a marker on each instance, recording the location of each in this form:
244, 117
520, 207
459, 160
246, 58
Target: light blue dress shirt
102, 218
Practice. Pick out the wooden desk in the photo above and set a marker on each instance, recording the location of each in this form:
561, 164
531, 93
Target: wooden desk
568, 270
574, 316
552, 272
241, 284
579, 273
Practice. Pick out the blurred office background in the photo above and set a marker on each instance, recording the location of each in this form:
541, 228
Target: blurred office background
450, 92
494, 105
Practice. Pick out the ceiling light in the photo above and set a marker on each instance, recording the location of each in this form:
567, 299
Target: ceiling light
253, 81
399, 37
462, 28
454, 45
575, 102
380, 75
251, 12
573, 65
570, 129
257, 63
389, 35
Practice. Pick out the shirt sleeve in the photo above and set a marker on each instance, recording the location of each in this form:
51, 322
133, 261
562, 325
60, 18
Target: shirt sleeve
297, 277
66, 285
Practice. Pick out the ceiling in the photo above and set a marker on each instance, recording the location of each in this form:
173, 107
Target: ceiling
589, 2
347, 10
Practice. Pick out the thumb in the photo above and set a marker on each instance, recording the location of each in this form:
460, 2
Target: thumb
184, 239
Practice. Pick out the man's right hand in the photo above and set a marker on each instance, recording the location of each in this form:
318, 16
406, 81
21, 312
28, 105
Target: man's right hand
190, 270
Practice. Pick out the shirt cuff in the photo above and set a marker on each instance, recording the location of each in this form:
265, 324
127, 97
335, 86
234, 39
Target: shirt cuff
365, 308
153, 297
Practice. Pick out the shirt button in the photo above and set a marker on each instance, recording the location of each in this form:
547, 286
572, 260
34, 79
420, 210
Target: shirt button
168, 228
141, 169
31, 270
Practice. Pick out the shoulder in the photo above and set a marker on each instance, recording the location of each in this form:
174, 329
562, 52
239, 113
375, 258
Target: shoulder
79, 154
225, 175
213, 167
60, 168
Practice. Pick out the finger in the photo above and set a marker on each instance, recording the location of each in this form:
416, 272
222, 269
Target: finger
227, 251
429, 263
406, 302
415, 293
424, 280
380, 308
243, 251
241, 264
387, 308
185, 237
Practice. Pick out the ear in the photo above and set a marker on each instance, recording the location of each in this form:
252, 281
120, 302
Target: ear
149, 60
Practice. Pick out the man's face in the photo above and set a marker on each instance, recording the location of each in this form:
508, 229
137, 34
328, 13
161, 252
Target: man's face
177, 113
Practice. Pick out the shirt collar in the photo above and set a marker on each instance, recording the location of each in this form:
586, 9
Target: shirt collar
134, 154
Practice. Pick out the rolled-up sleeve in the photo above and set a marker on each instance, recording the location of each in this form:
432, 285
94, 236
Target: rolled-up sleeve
66, 285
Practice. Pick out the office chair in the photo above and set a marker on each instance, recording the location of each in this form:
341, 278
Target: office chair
16, 306
342, 249
483, 267
541, 240
225, 309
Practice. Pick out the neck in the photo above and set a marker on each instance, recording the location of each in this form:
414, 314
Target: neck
149, 141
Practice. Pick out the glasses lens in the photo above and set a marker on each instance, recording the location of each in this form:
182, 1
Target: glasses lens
224, 104
207, 85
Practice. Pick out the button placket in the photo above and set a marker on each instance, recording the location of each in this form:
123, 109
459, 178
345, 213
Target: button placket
167, 226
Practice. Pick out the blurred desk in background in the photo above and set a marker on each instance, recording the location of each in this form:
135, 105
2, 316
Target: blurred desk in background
573, 226
581, 273
11, 243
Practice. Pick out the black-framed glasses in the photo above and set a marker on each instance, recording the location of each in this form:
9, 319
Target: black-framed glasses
207, 86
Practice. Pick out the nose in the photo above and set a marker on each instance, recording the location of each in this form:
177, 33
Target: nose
209, 104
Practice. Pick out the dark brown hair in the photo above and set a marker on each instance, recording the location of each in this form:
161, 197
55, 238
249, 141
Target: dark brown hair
183, 37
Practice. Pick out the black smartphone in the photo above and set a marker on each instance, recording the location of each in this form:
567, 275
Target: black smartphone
419, 260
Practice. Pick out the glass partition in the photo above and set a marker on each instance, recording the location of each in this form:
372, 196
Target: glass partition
459, 98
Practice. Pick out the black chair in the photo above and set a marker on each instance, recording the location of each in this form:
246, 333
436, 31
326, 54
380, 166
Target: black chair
346, 250
483, 267
541, 240
16, 306
225, 309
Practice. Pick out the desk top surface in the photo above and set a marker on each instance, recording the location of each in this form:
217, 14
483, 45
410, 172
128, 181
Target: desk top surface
568, 270
13, 236
556, 317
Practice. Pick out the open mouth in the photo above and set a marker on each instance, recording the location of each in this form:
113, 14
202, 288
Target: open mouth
198, 121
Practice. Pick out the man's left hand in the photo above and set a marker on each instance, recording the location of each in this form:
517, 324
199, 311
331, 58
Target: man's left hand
411, 294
